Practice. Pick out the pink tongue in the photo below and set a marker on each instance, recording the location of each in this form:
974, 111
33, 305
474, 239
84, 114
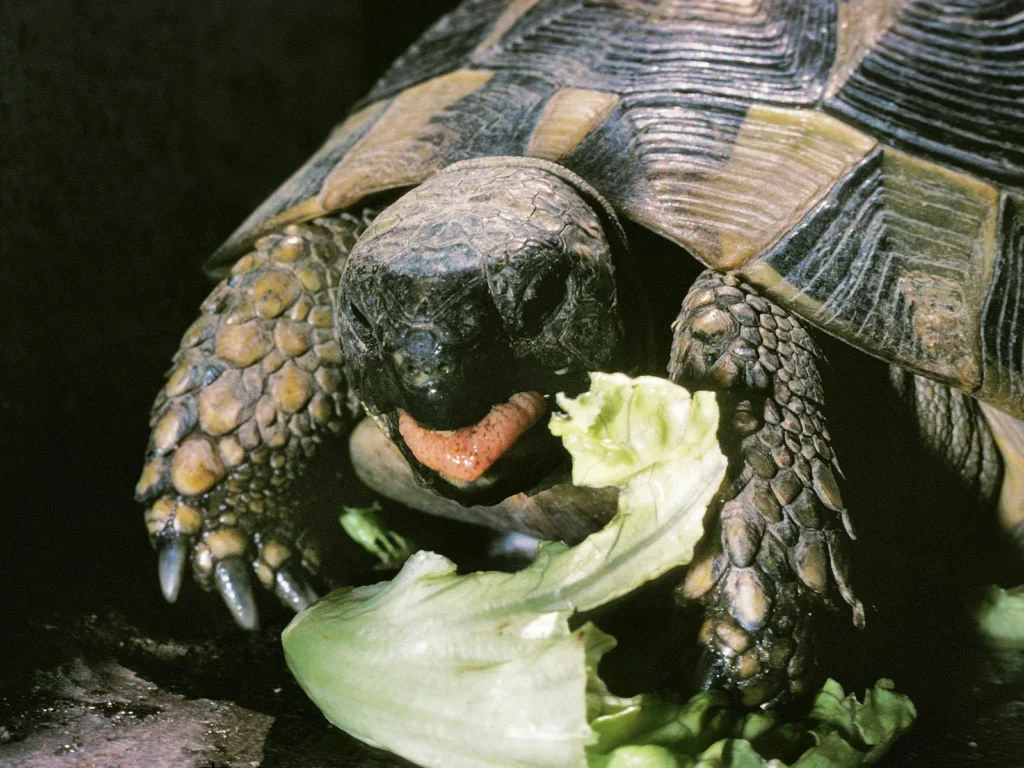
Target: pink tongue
471, 451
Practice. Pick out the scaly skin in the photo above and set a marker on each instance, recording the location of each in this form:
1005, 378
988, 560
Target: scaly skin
953, 430
257, 384
778, 550
973, 441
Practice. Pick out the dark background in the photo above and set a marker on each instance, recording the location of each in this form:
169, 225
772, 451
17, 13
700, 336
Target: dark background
134, 136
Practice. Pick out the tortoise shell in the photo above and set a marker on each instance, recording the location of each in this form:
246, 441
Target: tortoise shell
861, 162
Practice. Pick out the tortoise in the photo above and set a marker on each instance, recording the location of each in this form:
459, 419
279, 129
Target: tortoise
456, 253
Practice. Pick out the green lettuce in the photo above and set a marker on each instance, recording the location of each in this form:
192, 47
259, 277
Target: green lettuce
483, 669
364, 527
839, 732
1001, 614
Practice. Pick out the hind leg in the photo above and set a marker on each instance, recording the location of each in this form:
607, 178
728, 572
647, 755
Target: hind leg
257, 385
953, 428
776, 554
979, 444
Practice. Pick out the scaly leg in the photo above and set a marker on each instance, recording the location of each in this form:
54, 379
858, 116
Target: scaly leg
256, 385
952, 429
778, 550
978, 443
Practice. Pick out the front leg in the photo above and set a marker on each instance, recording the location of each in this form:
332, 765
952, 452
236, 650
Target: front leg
256, 384
778, 548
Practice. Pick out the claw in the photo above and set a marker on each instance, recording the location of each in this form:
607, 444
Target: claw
293, 590
171, 567
707, 671
234, 585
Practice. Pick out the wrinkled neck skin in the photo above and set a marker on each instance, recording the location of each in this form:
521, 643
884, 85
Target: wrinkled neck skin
465, 307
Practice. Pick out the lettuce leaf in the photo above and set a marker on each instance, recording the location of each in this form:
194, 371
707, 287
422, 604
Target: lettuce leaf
364, 527
1001, 614
839, 732
483, 669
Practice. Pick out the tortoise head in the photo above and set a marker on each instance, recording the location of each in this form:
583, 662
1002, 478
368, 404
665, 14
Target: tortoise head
464, 307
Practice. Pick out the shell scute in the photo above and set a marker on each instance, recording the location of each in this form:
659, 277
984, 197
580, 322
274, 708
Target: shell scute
858, 160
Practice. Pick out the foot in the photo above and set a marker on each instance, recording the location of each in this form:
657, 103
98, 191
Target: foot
256, 386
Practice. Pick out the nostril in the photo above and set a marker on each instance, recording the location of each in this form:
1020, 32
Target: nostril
419, 375
421, 344
422, 359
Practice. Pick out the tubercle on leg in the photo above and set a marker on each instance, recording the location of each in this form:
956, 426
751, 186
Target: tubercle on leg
256, 384
778, 551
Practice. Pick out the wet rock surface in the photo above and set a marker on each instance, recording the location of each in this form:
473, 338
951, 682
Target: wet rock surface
97, 691
101, 694
101, 689
105, 714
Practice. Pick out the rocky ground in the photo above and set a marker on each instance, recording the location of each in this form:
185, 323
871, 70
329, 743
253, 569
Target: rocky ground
105, 690
95, 692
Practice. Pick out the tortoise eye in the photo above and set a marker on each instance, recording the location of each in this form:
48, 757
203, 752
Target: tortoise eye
357, 319
543, 297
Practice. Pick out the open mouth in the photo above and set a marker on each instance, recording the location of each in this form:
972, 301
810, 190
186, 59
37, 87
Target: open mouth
509, 440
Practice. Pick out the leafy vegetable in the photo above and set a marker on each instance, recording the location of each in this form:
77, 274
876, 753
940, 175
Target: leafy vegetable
1001, 614
839, 732
483, 669
364, 527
